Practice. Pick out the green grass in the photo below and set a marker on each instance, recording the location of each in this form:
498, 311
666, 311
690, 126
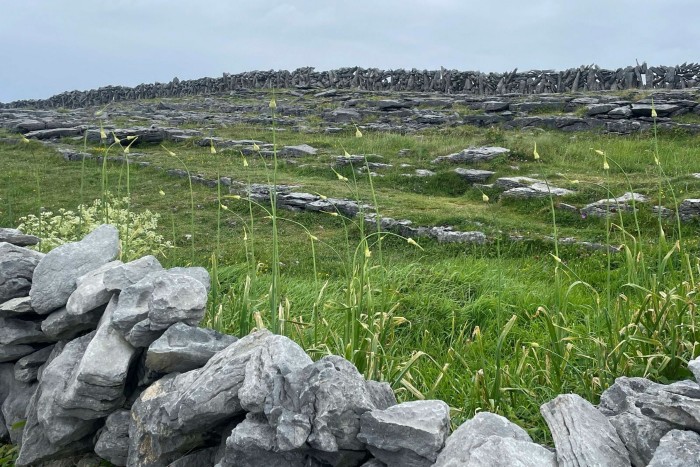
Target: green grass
503, 326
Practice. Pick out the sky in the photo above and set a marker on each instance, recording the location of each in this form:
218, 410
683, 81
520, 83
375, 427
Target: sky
51, 46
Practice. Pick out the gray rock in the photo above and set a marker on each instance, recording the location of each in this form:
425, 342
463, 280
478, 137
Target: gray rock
507, 183
176, 298
13, 352
14, 407
195, 272
381, 394
448, 235
19, 331
253, 443
343, 115
485, 153
183, 348
642, 412
55, 275
17, 267
410, 434
90, 292
424, 173
475, 432
60, 325
620, 112
373, 463
689, 209
202, 458
662, 110
604, 207
16, 237
299, 150
536, 190
51, 425
694, 367
113, 442
159, 300
17, 307
36, 449
495, 106
124, 275
197, 402
96, 387
582, 435
598, 109
508, 452
677, 449
4, 434
27, 368
320, 404
474, 175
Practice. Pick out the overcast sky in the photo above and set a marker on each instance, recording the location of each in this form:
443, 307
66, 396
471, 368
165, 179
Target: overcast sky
51, 46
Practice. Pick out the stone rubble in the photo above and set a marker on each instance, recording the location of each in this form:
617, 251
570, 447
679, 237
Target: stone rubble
180, 395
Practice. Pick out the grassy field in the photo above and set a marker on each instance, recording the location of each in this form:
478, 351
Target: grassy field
503, 326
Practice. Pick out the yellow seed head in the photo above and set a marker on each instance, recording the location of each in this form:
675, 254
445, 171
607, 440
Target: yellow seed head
358, 133
24, 138
556, 258
161, 192
575, 182
116, 140
653, 112
131, 137
484, 198
256, 147
606, 166
236, 197
656, 160
212, 149
127, 149
273, 103
245, 162
347, 154
103, 135
599, 152
367, 252
535, 153
170, 153
313, 238
224, 207
334, 214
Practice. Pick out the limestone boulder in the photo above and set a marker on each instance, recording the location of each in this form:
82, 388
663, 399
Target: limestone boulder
410, 434
56, 274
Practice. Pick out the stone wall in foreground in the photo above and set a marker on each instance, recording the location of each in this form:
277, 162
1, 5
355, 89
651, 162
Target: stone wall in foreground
584, 78
105, 360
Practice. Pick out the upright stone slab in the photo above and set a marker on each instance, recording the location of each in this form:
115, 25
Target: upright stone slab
507, 452
56, 274
96, 387
49, 433
27, 368
582, 435
17, 267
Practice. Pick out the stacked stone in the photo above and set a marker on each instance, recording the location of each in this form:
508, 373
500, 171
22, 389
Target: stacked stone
584, 78
104, 360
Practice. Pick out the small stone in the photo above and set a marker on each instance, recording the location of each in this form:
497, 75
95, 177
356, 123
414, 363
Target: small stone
484, 153
17, 267
183, 348
17, 307
27, 368
17, 238
474, 175
124, 275
113, 442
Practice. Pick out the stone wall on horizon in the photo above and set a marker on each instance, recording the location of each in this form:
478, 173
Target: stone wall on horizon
582, 79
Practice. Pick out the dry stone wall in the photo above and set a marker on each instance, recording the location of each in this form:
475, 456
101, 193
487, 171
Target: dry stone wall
584, 78
105, 360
